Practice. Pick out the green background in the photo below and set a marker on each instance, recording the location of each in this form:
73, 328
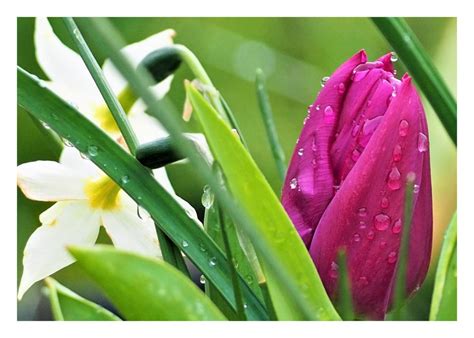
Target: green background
295, 53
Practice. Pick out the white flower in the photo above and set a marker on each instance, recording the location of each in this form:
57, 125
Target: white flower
85, 197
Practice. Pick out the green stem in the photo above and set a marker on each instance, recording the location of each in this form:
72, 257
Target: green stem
344, 304
267, 116
54, 300
110, 99
120, 117
408, 47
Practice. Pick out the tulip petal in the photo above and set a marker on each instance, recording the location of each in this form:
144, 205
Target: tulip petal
308, 186
49, 181
136, 52
68, 74
365, 215
65, 223
128, 231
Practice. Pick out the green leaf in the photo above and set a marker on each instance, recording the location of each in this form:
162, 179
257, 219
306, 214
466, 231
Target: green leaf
144, 288
68, 305
444, 300
296, 289
414, 56
141, 186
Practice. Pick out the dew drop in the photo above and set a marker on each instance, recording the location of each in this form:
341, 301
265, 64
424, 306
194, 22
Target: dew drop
371, 234
84, 157
394, 182
333, 272
293, 183
341, 88
202, 279
403, 128
202, 247
324, 80
362, 212
362, 225
355, 155
397, 153
66, 142
392, 257
356, 237
328, 114
363, 281
213, 262
300, 152
207, 198
249, 279
314, 163
422, 143
416, 189
397, 226
381, 222
92, 150
393, 57
318, 107
184, 243
45, 125
384, 203
355, 130
125, 179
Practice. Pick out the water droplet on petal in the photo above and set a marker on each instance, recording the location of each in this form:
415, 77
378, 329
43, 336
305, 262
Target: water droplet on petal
397, 226
300, 152
362, 225
403, 128
356, 237
394, 182
333, 273
125, 179
392, 257
293, 183
381, 222
355, 130
393, 57
324, 80
184, 243
328, 114
212, 262
370, 235
92, 150
318, 107
355, 155
341, 88
314, 163
363, 281
416, 189
397, 153
384, 203
362, 212
422, 143
202, 279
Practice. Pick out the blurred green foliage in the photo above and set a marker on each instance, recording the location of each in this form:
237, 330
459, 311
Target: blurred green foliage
294, 53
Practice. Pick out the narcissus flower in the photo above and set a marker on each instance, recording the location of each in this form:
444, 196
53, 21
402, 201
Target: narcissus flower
346, 181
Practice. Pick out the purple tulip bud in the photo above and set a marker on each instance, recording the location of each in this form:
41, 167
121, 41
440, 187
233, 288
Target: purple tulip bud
345, 184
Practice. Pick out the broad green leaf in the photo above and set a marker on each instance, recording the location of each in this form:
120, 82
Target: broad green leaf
300, 294
109, 156
444, 301
145, 288
68, 305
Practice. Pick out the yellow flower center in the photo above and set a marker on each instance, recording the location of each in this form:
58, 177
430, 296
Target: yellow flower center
103, 115
103, 193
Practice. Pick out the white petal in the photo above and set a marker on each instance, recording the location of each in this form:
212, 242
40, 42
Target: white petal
71, 158
146, 127
49, 181
70, 77
136, 52
128, 232
45, 252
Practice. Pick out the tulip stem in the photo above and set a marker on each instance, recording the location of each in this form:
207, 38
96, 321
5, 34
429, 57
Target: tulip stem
170, 253
267, 115
399, 34
400, 293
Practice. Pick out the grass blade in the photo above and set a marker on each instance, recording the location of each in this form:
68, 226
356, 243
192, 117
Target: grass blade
444, 300
267, 116
408, 47
142, 187
344, 304
67, 305
160, 293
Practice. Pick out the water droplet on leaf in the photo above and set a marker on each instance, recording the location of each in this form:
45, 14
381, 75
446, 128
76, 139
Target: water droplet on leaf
324, 80
92, 150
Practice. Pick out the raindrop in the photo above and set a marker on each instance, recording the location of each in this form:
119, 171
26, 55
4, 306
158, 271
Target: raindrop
66, 142
393, 57
416, 189
249, 279
355, 155
328, 114
245, 305
384, 203
362, 212
92, 150
394, 182
207, 198
362, 225
293, 183
314, 163
392, 257
212, 262
45, 125
422, 143
318, 107
363, 281
341, 88
202, 247
355, 130
381, 222
84, 157
125, 179
184, 243
370, 235
42, 83
300, 152
397, 153
334, 270
356, 237
324, 80
397, 226
403, 128
202, 279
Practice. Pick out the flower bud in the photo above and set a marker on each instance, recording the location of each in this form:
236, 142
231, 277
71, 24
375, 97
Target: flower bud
162, 63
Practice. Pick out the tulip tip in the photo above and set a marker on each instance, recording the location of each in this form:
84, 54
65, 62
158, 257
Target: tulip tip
363, 55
